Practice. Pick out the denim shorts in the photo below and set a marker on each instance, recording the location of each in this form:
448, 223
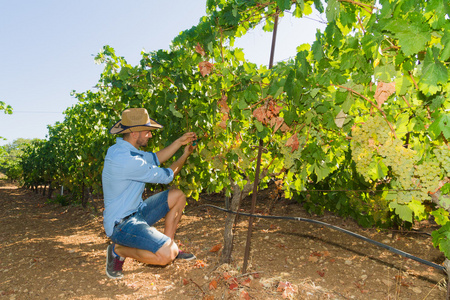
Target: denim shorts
136, 230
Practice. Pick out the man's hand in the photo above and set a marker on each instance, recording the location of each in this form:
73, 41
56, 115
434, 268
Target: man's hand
187, 138
166, 153
189, 149
176, 166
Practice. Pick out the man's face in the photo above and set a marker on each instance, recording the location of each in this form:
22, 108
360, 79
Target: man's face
143, 138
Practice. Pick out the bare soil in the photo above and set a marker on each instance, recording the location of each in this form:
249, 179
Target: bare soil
49, 251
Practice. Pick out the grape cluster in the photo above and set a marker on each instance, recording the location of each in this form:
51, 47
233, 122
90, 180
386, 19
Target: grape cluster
400, 159
443, 156
365, 140
429, 173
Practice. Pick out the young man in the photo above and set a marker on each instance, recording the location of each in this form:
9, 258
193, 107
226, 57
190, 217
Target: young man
128, 219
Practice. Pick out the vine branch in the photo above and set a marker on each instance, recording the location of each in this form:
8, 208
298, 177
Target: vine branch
373, 105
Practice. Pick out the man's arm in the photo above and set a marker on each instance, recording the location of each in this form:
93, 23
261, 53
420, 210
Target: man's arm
166, 153
178, 164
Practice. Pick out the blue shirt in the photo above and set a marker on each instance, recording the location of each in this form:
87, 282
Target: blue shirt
125, 172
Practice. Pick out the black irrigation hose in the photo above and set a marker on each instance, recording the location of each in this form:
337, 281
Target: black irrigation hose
402, 253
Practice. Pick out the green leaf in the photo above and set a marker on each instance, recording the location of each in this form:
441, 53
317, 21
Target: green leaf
418, 209
321, 171
318, 5
124, 73
440, 216
445, 41
239, 54
284, 4
441, 125
402, 85
441, 240
332, 10
401, 125
259, 126
433, 73
412, 36
242, 104
445, 189
385, 72
290, 116
382, 170
403, 211
174, 111
317, 50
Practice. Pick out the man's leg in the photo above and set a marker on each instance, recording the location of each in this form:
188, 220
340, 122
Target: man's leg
176, 200
164, 256
168, 204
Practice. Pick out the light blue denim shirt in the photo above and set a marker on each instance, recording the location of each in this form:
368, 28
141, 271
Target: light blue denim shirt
125, 172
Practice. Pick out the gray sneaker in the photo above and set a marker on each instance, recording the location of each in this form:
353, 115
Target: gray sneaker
185, 256
113, 264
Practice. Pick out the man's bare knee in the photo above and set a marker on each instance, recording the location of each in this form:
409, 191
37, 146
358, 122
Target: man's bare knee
167, 253
176, 196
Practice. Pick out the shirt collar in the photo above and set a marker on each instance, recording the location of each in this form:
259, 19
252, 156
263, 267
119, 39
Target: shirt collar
120, 141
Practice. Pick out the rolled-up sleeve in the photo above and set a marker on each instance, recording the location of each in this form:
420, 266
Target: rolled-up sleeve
144, 167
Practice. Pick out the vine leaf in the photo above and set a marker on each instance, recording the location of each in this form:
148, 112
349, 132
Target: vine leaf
199, 50
404, 30
340, 119
433, 74
403, 211
205, 68
384, 90
332, 10
441, 239
260, 114
441, 125
175, 112
224, 108
293, 142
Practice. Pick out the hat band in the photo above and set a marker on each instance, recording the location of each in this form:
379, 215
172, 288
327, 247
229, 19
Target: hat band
124, 127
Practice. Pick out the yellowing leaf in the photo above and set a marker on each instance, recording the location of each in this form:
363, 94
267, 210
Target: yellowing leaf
205, 68
384, 90
200, 50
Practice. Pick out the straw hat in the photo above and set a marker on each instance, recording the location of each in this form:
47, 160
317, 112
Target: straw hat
133, 120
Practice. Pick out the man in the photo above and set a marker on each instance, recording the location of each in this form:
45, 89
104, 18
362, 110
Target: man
128, 219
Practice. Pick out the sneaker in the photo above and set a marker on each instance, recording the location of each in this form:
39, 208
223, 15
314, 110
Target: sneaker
185, 256
113, 264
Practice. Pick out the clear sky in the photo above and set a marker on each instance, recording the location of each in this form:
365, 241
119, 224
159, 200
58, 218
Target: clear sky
47, 49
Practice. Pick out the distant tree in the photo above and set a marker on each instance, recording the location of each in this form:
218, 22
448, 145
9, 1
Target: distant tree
8, 110
10, 158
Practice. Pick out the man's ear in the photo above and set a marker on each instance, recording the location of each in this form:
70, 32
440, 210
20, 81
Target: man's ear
134, 134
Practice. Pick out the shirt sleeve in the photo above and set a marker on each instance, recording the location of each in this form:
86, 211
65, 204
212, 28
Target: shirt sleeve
144, 167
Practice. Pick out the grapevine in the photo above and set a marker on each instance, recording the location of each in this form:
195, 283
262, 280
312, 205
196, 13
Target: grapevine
363, 67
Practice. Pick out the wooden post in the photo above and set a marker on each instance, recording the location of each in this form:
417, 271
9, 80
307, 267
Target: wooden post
258, 165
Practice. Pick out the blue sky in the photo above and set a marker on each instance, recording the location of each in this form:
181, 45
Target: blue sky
47, 49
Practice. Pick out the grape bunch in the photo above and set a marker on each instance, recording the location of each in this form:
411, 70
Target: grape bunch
401, 160
365, 140
443, 156
429, 174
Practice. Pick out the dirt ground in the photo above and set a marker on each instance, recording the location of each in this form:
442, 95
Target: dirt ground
48, 251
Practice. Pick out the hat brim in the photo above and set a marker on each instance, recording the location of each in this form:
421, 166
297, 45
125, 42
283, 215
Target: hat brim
120, 128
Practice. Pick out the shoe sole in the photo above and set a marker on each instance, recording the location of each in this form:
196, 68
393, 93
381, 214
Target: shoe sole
186, 259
